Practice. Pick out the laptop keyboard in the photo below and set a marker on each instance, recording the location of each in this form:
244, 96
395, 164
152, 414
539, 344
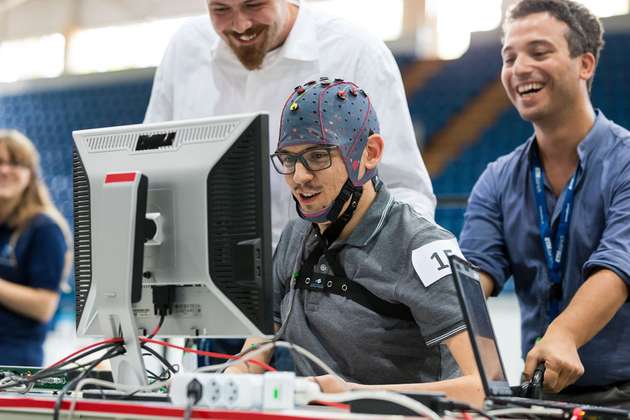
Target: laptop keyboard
591, 410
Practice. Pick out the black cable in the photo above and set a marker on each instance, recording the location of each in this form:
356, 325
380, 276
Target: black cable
45, 373
156, 377
155, 330
194, 392
481, 413
273, 339
462, 406
56, 370
161, 358
70, 385
84, 354
188, 409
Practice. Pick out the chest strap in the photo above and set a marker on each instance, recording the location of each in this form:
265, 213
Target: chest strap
319, 282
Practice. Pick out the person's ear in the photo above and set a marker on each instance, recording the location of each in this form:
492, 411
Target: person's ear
587, 66
373, 151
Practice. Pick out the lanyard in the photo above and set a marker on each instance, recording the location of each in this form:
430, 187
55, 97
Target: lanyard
554, 247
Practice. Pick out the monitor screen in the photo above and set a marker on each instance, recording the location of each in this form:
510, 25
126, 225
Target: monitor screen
181, 203
483, 340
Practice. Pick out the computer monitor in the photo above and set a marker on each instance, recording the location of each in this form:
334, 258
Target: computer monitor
182, 203
479, 325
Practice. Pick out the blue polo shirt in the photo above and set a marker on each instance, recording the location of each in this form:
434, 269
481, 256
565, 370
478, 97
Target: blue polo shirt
37, 261
501, 235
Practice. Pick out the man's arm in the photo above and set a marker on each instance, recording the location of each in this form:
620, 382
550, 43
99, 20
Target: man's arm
248, 366
466, 388
487, 284
592, 307
37, 304
482, 239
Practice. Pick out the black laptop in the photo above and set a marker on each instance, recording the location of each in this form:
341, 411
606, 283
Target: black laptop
486, 351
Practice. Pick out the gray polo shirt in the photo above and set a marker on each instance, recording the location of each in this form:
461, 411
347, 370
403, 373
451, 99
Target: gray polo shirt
359, 344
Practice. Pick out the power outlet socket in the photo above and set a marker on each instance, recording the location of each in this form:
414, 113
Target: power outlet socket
271, 391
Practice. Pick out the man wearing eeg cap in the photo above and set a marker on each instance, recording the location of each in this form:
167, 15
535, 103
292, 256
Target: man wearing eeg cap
361, 279
325, 115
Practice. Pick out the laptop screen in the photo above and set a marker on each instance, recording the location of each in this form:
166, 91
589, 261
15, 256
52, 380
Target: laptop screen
480, 330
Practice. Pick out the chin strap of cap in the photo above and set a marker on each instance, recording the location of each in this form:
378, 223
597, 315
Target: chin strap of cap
331, 213
340, 221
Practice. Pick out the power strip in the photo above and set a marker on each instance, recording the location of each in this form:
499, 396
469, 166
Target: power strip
269, 391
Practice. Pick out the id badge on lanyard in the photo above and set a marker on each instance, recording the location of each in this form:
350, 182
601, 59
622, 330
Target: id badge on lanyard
554, 246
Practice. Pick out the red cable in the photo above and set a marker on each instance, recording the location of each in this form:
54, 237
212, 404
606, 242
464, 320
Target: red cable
109, 340
577, 413
207, 353
345, 407
188, 350
155, 330
162, 343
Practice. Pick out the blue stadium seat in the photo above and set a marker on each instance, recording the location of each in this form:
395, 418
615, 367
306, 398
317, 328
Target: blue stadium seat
448, 91
48, 117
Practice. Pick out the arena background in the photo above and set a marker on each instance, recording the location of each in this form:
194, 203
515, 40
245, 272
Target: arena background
462, 117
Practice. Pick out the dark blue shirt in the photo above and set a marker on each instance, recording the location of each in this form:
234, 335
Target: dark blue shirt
36, 261
501, 235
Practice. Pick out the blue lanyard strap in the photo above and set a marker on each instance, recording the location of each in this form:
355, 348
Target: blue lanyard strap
554, 247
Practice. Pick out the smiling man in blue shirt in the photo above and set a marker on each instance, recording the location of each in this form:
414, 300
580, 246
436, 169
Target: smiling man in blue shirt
555, 213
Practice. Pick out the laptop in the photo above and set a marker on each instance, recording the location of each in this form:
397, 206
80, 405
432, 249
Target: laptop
486, 350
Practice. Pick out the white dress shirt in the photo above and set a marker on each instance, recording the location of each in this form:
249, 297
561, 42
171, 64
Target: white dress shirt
200, 76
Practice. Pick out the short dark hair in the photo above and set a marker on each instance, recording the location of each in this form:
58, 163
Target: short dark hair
585, 33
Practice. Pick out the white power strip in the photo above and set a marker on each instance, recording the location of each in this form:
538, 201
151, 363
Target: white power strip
269, 391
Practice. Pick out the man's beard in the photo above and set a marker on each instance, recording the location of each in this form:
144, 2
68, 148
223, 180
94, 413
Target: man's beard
252, 56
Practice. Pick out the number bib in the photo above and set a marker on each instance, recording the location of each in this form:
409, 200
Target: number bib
431, 260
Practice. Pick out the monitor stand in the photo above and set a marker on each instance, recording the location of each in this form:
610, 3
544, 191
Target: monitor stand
119, 260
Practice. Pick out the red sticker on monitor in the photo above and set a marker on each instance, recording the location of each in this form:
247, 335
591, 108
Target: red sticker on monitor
121, 177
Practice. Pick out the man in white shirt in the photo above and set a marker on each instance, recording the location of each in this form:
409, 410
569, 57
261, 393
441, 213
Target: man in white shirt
255, 51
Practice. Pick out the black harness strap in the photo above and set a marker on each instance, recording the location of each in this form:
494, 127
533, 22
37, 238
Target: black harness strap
339, 284
319, 282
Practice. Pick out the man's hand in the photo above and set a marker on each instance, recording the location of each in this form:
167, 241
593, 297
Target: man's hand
562, 362
238, 368
592, 307
332, 384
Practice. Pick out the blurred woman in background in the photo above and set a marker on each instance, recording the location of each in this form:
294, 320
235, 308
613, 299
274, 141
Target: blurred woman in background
35, 253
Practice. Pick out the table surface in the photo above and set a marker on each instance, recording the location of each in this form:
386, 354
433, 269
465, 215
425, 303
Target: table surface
18, 406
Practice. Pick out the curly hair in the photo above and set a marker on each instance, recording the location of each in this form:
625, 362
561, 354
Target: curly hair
585, 34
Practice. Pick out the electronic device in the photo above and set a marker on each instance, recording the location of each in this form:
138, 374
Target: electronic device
486, 350
434, 401
268, 391
184, 204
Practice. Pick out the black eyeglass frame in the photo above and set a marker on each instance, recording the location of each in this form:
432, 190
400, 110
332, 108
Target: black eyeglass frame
299, 157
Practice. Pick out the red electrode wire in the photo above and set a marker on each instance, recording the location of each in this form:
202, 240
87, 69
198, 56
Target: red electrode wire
187, 350
109, 340
155, 330
206, 353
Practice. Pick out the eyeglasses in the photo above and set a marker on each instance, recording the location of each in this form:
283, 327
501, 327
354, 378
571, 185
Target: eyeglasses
314, 159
